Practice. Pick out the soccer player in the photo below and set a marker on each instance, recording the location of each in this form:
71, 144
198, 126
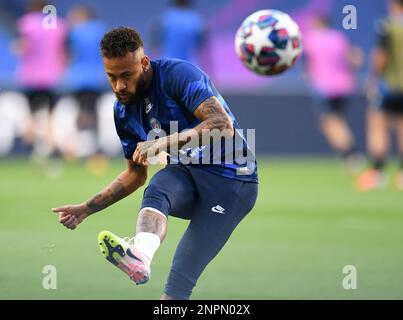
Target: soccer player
84, 77
179, 32
387, 112
330, 62
42, 63
215, 197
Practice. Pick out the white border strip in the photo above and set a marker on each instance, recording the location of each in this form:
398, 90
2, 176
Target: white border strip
153, 210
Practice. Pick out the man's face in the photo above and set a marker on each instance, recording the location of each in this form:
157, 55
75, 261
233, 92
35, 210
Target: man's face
127, 75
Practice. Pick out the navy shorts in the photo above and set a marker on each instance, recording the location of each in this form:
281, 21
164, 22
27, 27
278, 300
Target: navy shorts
331, 105
41, 98
386, 100
393, 104
213, 204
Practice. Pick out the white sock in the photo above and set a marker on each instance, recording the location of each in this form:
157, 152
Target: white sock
147, 243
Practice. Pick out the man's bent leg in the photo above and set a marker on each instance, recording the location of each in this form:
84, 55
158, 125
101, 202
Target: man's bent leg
207, 233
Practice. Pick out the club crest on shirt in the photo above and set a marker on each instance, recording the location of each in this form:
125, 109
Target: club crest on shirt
155, 124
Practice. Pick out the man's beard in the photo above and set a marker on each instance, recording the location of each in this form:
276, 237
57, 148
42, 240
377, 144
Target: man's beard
131, 98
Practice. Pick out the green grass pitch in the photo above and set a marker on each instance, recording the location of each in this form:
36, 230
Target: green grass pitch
308, 224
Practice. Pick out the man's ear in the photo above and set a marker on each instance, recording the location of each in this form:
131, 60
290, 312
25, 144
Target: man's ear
145, 63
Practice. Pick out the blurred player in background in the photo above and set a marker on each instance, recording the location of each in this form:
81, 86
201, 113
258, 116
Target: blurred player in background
9, 13
42, 64
7, 59
385, 92
85, 74
214, 196
179, 32
330, 65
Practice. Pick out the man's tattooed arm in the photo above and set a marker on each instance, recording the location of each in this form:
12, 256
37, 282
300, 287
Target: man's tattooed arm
124, 184
213, 117
214, 122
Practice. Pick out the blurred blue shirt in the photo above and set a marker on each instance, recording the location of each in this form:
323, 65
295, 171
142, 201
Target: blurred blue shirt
8, 61
85, 71
180, 34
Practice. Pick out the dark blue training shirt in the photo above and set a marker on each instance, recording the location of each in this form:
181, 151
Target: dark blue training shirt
177, 89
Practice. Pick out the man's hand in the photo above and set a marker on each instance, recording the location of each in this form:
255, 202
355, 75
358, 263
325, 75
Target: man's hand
72, 215
146, 149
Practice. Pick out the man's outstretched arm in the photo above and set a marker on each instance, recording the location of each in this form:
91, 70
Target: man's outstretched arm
126, 183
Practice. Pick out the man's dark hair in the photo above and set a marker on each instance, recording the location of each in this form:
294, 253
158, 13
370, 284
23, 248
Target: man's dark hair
36, 5
120, 41
182, 3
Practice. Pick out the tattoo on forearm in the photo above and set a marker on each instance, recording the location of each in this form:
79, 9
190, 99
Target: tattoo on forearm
213, 115
220, 122
210, 106
110, 195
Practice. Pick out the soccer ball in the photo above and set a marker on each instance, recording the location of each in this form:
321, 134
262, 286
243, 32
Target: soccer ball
268, 42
